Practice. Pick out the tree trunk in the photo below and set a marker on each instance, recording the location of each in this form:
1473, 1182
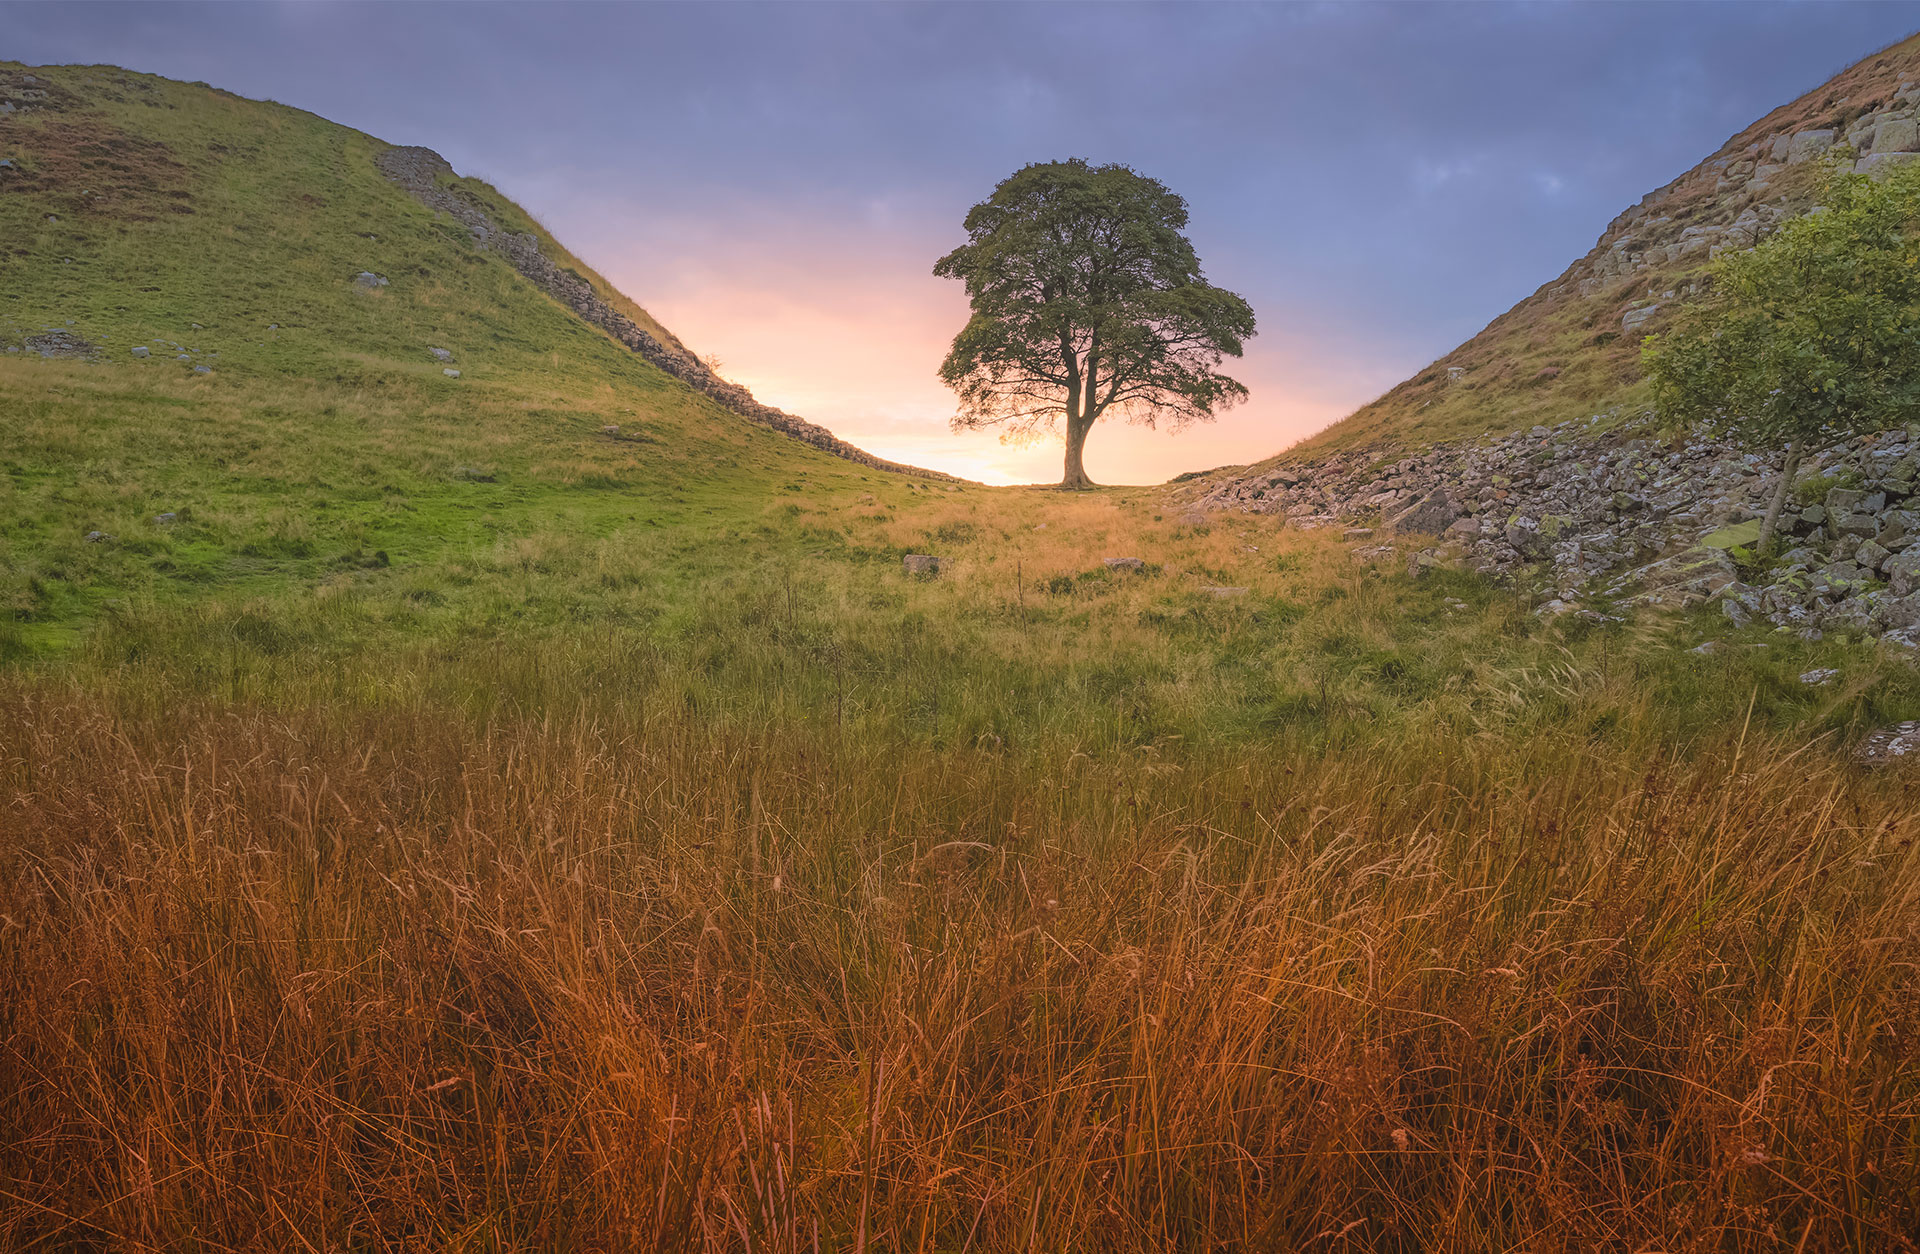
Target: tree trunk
1075, 477
1779, 502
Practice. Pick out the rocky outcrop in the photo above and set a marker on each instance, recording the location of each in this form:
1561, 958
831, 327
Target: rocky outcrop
1611, 514
1573, 345
421, 170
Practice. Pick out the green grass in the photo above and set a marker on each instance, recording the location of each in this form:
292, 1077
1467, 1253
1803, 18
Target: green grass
459, 828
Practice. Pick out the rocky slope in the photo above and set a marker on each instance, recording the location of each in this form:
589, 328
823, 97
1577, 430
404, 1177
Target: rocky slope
1612, 515
1571, 349
1607, 511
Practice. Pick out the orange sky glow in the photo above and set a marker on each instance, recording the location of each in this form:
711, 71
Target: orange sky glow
858, 354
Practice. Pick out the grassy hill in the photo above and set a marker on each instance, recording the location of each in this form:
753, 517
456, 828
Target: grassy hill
1572, 348
290, 425
429, 820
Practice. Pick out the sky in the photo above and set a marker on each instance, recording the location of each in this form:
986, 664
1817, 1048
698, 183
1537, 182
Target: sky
775, 181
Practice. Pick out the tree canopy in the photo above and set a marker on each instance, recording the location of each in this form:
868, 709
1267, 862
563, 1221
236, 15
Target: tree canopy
1087, 300
1810, 337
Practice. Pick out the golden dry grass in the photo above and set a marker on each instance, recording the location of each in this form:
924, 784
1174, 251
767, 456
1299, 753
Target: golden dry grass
324, 980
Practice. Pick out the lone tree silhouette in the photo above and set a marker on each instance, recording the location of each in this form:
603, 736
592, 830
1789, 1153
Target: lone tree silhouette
1087, 300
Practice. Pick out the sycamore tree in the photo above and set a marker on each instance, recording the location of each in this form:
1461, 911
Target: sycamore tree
1087, 302
1809, 338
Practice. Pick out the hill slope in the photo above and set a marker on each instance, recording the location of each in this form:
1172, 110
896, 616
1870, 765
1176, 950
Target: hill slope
1571, 349
185, 336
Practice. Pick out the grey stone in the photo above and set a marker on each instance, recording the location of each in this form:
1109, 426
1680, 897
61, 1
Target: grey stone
1889, 745
1865, 525
610, 429
97, 537
167, 519
441, 353
451, 373
1806, 145
1881, 164
141, 350
1844, 500
1224, 592
1124, 563
1871, 555
1736, 613
1464, 527
1634, 319
1896, 135
1817, 678
367, 278
1814, 515
921, 564
1903, 573
203, 369
1896, 525
1357, 533
1430, 515
1194, 518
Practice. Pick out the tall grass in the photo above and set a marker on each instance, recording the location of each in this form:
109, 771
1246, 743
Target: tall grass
337, 977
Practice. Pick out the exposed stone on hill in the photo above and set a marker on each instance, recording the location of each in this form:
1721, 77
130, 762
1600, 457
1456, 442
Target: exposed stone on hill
1124, 563
1898, 743
1609, 510
921, 564
419, 171
58, 342
367, 278
1575, 340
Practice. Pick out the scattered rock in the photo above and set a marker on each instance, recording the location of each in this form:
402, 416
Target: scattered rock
141, 350
368, 279
1194, 518
451, 373
441, 354
167, 519
1890, 745
97, 537
611, 429
1819, 678
1430, 515
1124, 563
921, 564
1224, 592
1357, 533
203, 369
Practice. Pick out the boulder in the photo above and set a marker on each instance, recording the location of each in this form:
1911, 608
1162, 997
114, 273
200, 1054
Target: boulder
1901, 135
1464, 527
1903, 573
1224, 592
1124, 563
921, 564
1881, 164
368, 279
441, 354
1352, 534
1806, 145
141, 350
1430, 515
451, 373
1819, 678
1871, 555
1634, 319
1889, 745
1897, 527
1844, 500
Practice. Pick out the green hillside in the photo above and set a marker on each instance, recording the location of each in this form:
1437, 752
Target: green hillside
290, 425
1571, 349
